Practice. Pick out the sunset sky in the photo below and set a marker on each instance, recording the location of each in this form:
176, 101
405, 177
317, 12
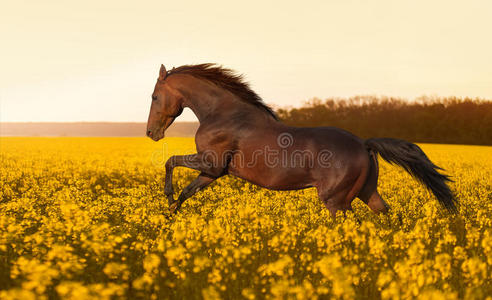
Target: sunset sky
98, 60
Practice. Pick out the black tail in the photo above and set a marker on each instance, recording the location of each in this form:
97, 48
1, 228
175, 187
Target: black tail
414, 161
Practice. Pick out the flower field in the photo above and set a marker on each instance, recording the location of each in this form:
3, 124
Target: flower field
85, 218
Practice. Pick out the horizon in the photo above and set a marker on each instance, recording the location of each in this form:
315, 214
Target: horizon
98, 62
299, 105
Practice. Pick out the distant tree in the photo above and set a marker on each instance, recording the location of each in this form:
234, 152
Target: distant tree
449, 120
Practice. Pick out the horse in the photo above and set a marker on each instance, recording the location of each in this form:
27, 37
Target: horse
240, 135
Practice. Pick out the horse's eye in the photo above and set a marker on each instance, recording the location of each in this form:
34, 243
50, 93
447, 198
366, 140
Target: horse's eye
154, 98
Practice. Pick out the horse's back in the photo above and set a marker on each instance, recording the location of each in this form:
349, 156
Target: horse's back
332, 139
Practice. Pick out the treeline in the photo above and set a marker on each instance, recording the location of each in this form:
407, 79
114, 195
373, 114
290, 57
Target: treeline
449, 120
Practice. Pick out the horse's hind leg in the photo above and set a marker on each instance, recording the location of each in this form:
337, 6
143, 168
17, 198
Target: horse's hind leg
376, 203
335, 201
340, 197
369, 192
370, 196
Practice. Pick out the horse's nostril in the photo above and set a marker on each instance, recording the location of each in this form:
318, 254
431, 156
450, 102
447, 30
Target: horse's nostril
149, 133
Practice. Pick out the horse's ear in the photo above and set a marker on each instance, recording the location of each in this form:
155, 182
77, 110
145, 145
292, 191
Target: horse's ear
162, 73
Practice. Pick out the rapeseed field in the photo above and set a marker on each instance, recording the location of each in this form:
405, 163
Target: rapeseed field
86, 218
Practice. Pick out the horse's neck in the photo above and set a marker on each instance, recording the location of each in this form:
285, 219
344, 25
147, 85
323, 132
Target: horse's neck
209, 102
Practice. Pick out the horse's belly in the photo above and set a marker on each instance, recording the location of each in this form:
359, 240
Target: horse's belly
274, 178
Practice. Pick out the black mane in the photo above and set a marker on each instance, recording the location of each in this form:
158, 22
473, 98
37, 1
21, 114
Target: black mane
227, 79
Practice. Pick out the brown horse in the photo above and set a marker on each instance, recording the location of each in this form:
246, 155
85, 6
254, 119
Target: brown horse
241, 136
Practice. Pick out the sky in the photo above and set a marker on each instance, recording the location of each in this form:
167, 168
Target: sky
70, 61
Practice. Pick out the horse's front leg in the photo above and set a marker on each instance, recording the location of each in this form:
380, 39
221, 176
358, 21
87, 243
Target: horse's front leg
192, 161
168, 182
196, 185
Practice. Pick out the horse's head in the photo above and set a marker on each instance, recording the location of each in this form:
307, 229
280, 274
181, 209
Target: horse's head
167, 104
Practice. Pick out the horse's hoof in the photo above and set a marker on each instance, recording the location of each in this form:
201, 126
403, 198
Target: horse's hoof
174, 207
167, 216
170, 199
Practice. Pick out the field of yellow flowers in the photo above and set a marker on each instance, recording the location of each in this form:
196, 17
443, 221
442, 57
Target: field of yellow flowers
85, 218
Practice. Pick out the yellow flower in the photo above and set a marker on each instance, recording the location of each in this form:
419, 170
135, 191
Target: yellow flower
87, 218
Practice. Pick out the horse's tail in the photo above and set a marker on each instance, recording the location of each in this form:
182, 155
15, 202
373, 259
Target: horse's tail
414, 161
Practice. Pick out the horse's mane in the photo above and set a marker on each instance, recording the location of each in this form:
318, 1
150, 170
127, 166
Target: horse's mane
227, 79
